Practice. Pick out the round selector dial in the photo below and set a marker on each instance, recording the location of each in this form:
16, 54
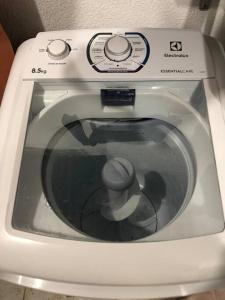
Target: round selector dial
58, 49
118, 48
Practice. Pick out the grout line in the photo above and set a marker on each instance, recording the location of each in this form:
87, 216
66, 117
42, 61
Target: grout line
24, 293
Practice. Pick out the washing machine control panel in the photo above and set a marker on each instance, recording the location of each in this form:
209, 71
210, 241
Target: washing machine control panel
118, 53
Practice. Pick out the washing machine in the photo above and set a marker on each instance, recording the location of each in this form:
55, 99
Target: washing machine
112, 164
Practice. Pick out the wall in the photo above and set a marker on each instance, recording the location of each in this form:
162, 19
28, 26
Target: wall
22, 19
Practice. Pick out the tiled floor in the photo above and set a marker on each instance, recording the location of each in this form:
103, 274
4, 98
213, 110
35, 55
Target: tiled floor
10, 291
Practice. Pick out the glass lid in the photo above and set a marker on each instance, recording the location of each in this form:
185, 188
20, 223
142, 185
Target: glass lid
118, 179
91, 171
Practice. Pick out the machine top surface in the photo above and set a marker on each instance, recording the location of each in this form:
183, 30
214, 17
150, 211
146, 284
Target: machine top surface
112, 54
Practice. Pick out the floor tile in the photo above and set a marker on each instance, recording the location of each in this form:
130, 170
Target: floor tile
219, 294
9, 291
212, 295
31, 294
89, 298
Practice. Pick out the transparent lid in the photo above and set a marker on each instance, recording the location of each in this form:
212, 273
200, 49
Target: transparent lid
142, 172
118, 180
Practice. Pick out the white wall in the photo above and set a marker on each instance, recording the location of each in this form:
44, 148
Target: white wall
24, 18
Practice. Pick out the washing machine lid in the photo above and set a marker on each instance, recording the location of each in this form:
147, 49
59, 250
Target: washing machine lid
119, 174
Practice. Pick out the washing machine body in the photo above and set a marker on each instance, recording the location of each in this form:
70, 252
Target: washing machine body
112, 164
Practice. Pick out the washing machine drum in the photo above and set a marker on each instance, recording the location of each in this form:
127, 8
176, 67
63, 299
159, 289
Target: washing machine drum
118, 180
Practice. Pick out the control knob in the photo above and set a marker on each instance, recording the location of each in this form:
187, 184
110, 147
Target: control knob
58, 49
118, 48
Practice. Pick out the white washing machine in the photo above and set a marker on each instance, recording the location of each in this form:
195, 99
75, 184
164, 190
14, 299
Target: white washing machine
112, 164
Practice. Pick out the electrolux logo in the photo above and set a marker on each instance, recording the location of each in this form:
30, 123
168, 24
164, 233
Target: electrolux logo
176, 55
175, 46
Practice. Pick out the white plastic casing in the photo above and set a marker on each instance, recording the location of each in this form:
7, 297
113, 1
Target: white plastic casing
108, 270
